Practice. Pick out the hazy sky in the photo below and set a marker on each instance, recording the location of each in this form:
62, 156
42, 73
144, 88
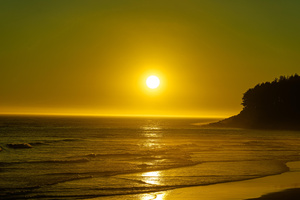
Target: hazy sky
93, 57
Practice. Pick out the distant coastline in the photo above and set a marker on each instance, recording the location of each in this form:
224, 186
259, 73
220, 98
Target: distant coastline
270, 105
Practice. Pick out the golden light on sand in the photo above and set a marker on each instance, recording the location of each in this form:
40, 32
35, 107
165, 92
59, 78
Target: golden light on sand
152, 82
154, 196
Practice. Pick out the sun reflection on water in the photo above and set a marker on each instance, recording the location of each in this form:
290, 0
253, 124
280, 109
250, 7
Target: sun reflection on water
152, 177
152, 134
150, 128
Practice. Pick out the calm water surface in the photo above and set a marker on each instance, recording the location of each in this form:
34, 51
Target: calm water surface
87, 157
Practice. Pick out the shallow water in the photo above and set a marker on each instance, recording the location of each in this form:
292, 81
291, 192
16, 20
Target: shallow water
86, 157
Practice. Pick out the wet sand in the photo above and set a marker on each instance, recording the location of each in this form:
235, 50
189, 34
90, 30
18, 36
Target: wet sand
240, 190
290, 194
249, 189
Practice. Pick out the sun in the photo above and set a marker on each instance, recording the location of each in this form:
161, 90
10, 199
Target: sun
152, 82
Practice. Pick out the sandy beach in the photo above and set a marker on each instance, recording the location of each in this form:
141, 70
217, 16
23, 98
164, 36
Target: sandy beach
290, 194
248, 189
282, 186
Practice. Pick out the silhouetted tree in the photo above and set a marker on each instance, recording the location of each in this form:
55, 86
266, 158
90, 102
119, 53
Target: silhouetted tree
269, 105
278, 100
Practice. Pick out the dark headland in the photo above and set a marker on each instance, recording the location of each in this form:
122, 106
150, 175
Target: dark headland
270, 105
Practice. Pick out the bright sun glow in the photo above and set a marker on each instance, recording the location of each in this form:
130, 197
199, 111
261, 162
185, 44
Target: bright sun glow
152, 82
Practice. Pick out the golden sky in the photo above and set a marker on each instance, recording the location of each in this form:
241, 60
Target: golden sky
93, 56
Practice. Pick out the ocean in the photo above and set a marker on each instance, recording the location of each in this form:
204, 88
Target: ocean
59, 157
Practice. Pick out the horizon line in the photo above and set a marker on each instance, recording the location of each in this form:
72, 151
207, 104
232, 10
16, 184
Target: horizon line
111, 115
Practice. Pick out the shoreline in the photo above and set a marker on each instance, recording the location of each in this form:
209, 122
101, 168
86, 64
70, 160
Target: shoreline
241, 190
264, 188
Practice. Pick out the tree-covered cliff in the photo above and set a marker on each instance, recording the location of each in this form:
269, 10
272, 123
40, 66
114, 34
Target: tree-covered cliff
269, 105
